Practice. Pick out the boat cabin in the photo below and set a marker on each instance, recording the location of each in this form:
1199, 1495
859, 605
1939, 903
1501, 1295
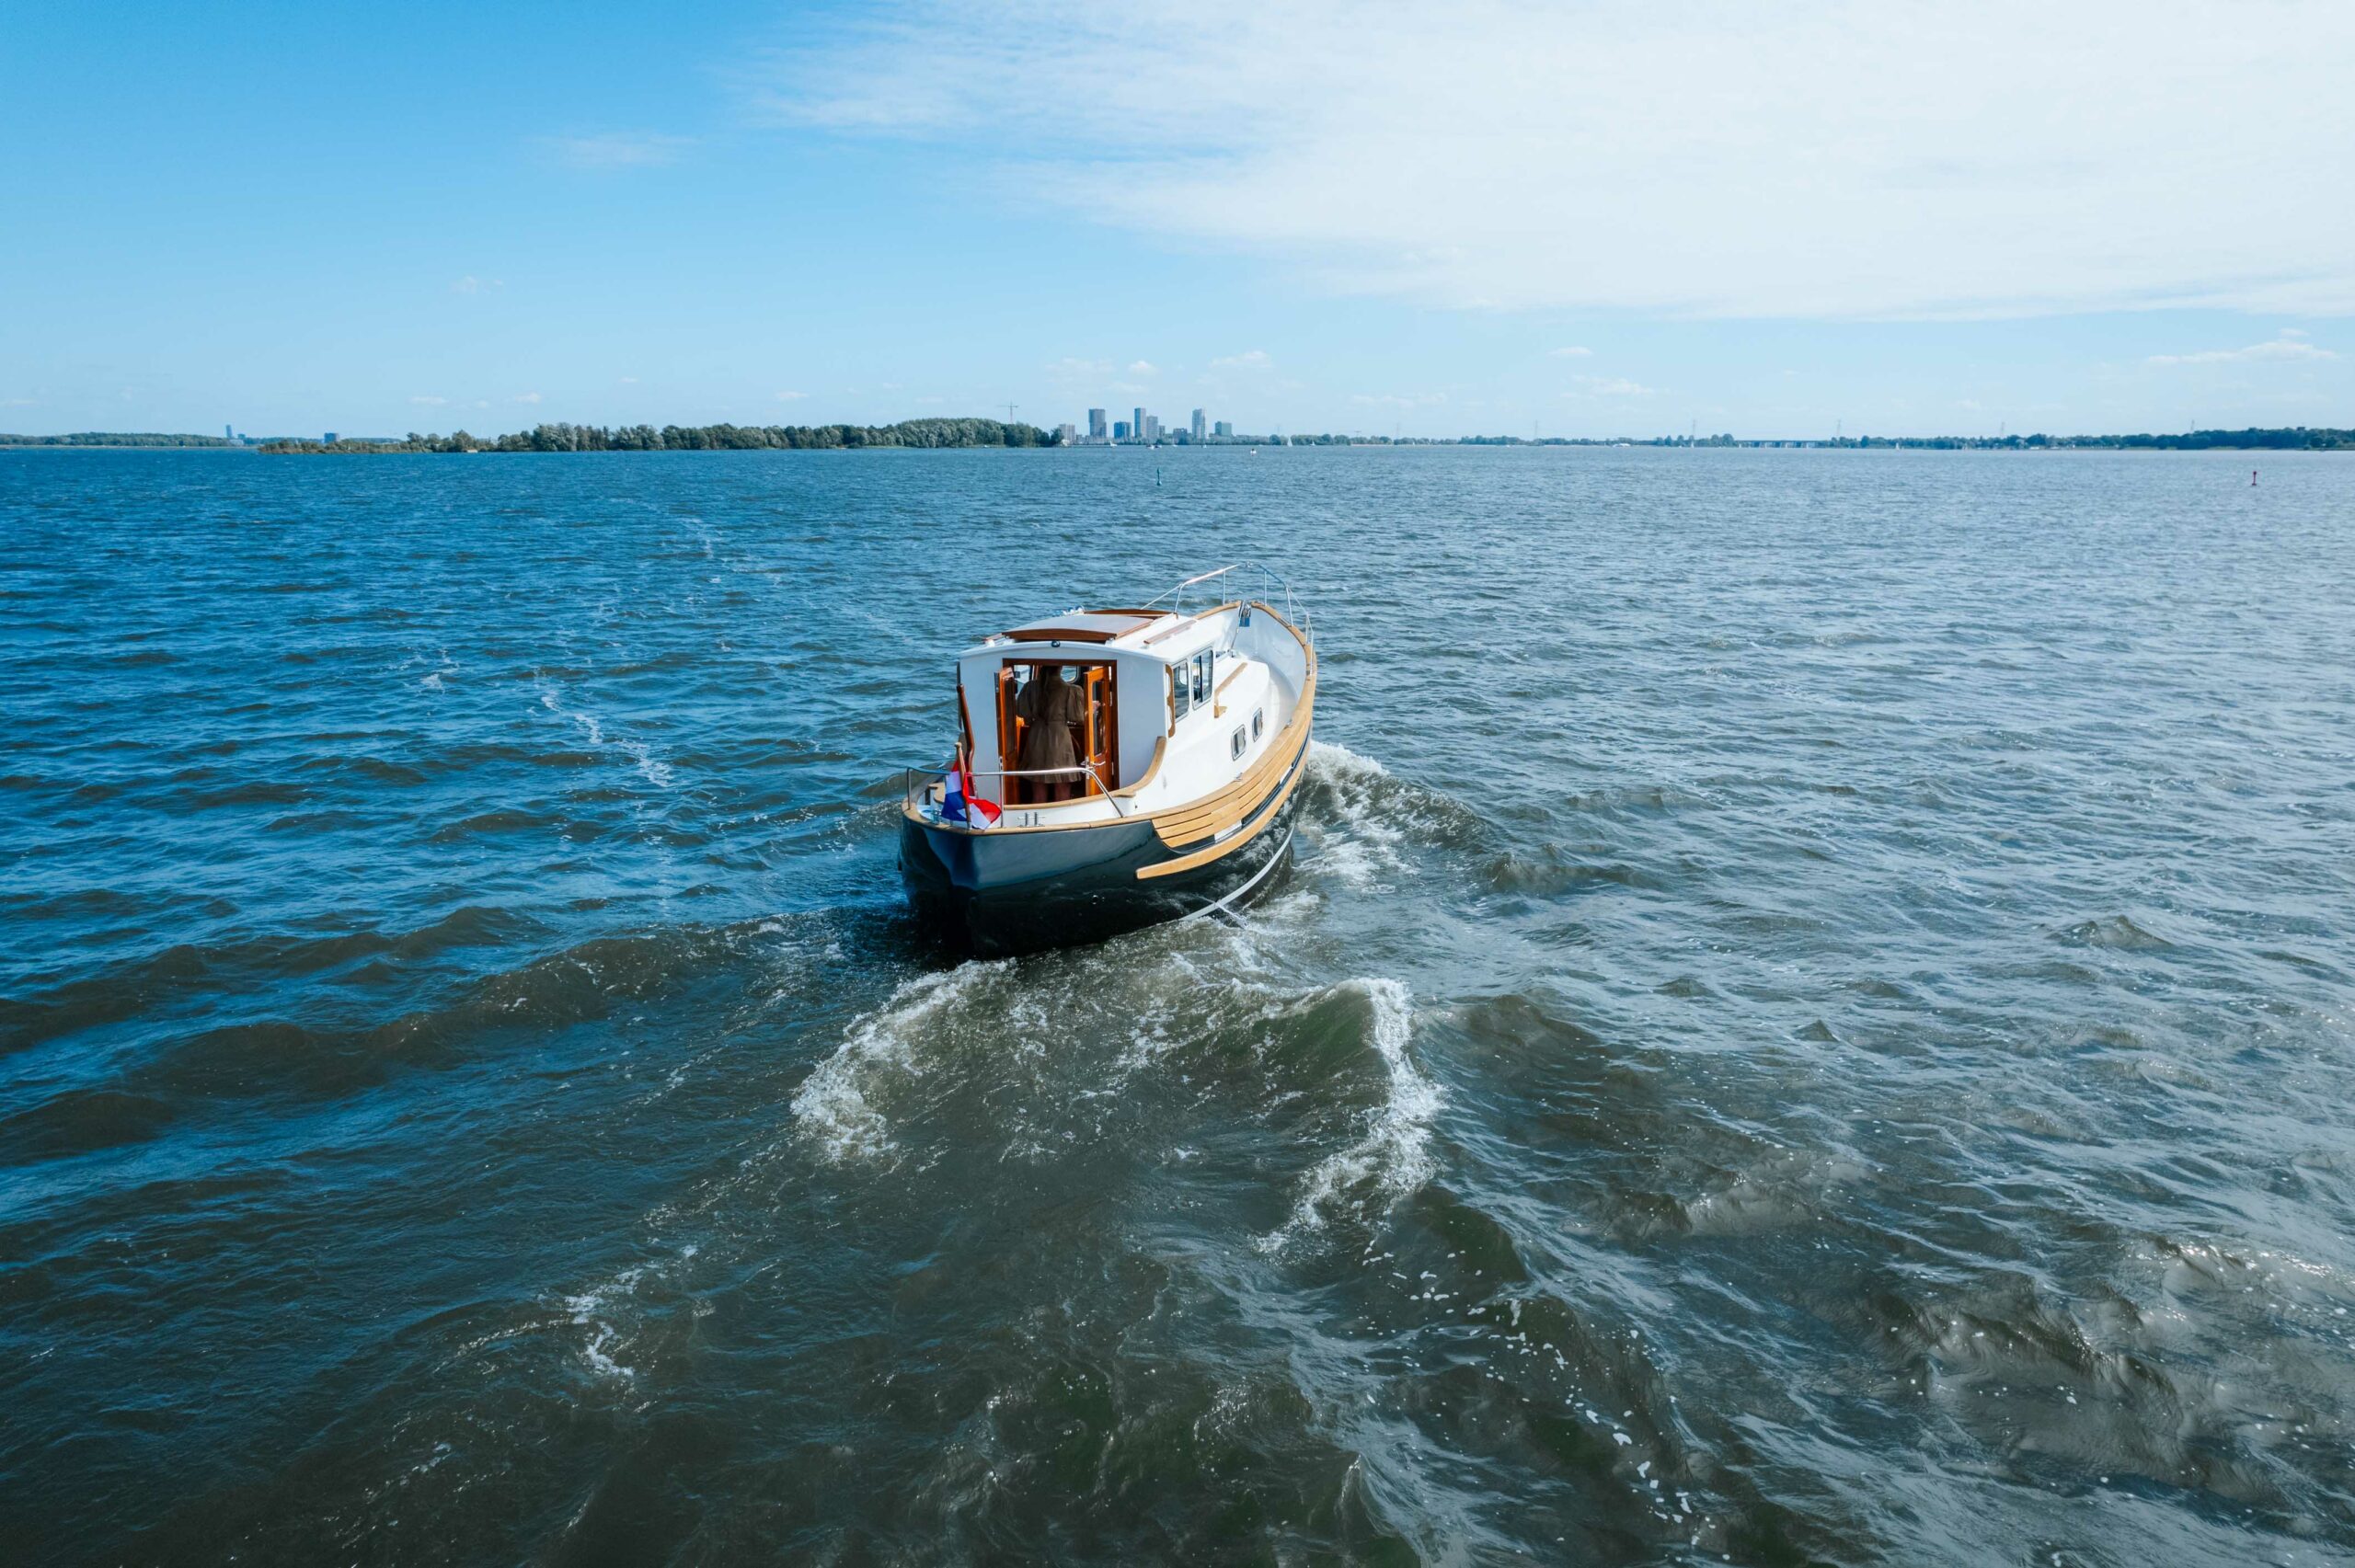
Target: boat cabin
1118, 707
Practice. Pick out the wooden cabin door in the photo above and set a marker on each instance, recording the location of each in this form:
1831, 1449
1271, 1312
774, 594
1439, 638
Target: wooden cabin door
1009, 739
1103, 727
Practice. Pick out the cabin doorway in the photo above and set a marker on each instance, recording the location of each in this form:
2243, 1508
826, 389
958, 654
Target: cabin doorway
1081, 698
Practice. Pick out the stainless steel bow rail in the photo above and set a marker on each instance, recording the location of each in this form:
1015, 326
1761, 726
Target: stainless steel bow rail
917, 782
1271, 584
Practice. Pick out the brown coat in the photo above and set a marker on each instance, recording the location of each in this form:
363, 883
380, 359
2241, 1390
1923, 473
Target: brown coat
1052, 707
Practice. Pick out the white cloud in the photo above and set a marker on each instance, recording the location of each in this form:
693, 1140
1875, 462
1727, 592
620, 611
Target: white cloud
528, 397
2290, 345
618, 150
1249, 360
629, 380
426, 400
470, 285
1142, 367
1843, 160
791, 397
1573, 353
1609, 387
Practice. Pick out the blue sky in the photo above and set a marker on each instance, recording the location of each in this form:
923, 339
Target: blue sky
1576, 219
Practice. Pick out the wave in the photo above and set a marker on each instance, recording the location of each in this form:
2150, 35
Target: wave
643, 757
1551, 871
1393, 1157
1367, 821
832, 1105
2112, 931
124, 991
629, 1319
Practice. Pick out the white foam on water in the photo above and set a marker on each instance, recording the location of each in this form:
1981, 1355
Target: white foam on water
1361, 840
655, 771
832, 1104
1333, 763
594, 1310
650, 767
1393, 1156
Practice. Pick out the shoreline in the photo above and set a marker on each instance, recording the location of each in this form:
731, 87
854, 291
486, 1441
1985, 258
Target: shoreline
973, 434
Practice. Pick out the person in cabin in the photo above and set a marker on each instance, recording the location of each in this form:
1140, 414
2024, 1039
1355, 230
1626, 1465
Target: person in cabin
1051, 710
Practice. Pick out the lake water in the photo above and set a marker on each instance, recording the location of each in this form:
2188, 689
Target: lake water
1813, 1018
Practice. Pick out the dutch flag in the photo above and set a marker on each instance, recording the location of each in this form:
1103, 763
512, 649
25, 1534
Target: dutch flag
959, 804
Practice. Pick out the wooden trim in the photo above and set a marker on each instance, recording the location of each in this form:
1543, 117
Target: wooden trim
1159, 747
1065, 635
1222, 809
1213, 609
1215, 813
1218, 708
1228, 846
1171, 630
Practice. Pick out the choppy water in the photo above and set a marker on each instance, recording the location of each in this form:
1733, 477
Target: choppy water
1812, 1020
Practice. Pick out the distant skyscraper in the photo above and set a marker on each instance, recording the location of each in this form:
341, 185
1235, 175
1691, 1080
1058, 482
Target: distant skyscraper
1067, 433
1136, 423
1095, 424
1222, 429
228, 433
1121, 429
330, 437
1200, 429
1152, 431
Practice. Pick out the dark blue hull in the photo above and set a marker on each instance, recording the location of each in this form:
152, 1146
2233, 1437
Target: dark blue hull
1006, 892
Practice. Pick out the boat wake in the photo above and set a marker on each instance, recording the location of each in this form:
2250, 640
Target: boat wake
1365, 822
833, 1106
1393, 1157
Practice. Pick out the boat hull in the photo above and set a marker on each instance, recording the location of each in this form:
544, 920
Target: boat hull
997, 894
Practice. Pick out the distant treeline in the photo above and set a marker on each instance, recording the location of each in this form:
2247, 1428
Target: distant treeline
992, 433
703, 438
117, 437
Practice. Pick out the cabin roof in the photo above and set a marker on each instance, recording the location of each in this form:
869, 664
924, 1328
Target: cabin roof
1157, 635
1084, 627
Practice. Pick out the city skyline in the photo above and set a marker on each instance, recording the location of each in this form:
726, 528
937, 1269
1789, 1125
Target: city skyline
541, 228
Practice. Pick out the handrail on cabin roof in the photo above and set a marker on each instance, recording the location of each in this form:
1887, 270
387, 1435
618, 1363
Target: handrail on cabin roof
1291, 612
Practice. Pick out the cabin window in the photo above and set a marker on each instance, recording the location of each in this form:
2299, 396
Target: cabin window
1234, 747
1181, 691
1259, 722
1201, 678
